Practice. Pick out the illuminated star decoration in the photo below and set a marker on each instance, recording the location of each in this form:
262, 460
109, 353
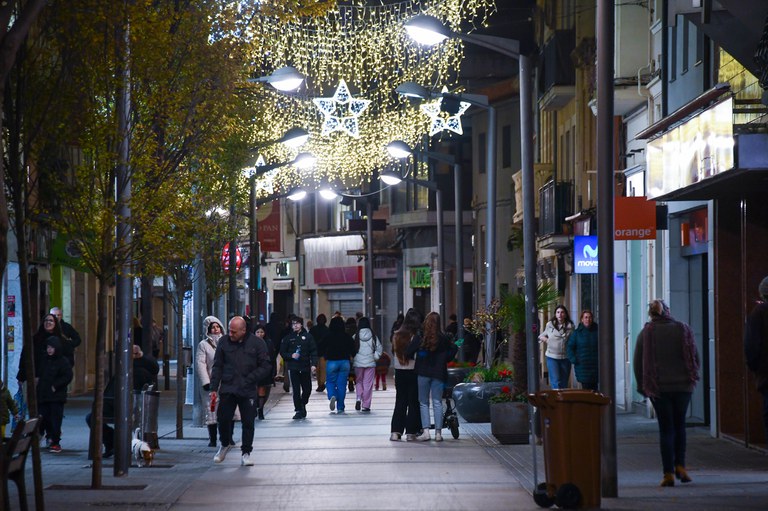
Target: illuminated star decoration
441, 120
267, 180
342, 102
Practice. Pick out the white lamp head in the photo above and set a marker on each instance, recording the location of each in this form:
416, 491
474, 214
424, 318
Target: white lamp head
426, 30
390, 178
305, 160
328, 193
296, 194
295, 138
285, 79
399, 149
413, 90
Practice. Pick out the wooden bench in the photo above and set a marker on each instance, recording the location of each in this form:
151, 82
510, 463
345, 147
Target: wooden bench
13, 458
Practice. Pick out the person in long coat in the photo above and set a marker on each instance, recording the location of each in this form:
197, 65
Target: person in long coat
583, 349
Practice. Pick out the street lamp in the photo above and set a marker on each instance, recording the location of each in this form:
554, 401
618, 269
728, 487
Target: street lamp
401, 150
428, 30
284, 79
292, 138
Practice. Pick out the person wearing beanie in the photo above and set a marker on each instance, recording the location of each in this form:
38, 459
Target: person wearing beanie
756, 345
55, 375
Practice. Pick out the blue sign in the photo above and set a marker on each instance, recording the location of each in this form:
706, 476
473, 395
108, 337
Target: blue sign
585, 254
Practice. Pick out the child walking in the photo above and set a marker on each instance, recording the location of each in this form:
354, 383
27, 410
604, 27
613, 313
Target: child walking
55, 375
7, 405
382, 368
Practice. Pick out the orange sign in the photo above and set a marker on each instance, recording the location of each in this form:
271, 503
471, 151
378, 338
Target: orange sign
634, 219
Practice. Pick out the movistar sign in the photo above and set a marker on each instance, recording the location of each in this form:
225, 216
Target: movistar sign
585, 254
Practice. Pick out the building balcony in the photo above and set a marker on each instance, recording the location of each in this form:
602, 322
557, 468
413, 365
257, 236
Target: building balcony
556, 203
558, 75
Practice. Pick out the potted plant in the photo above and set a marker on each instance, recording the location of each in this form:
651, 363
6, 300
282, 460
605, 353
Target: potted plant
471, 397
509, 415
458, 372
512, 315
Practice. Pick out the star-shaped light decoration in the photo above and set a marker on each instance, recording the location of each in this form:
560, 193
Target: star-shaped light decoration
341, 111
266, 181
442, 120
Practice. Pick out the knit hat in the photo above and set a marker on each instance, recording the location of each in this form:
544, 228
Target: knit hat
763, 288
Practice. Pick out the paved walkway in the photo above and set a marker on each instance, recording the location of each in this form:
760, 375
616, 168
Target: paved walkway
338, 462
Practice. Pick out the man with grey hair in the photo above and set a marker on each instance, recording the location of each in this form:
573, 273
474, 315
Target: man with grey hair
70, 338
756, 345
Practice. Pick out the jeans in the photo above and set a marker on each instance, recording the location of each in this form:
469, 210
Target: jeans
434, 388
336, 374
301, 382
559, 372
225, 413
671, 408
364, 388
406, 416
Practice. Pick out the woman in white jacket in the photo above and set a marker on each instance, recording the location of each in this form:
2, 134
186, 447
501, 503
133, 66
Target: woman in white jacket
556, 335
369, 350
203, 365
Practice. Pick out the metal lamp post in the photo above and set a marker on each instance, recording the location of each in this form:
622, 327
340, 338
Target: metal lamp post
414, 90
399, 149
294, 138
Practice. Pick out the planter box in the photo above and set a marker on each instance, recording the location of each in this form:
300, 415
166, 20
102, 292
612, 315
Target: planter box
509, 422
457, 375
472, 399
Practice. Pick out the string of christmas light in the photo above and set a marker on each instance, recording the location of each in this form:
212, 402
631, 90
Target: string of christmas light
366, 47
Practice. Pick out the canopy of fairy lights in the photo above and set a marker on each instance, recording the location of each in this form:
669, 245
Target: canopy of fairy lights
353, 57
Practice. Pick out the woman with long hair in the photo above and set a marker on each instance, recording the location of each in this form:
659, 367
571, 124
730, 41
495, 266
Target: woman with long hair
556, 335
406, 417
433, 351
339, 348
666, 366
265, 385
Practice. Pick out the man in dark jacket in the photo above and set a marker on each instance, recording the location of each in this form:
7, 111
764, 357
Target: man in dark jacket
299, 352
756, 345
71, 339
240, 363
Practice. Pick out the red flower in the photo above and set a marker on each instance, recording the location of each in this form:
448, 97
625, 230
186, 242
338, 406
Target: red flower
505, 389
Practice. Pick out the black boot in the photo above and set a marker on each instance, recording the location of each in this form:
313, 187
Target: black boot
212, 435
260, 413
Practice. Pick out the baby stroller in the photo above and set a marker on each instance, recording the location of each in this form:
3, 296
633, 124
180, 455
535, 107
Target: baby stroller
450, 417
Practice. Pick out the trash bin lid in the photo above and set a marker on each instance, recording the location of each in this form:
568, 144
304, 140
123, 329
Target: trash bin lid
568, 396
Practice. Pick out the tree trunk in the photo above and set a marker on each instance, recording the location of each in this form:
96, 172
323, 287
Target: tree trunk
97, 417
146, 314
180, 369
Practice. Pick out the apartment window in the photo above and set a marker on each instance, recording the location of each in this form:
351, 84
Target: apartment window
506, 146
686, 46
672, 52
481, 143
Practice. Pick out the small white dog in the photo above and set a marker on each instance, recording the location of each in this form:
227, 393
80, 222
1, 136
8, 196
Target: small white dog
142, 452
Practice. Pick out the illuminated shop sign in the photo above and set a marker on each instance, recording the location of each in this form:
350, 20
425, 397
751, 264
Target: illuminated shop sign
694, 151
585, 254
420, 277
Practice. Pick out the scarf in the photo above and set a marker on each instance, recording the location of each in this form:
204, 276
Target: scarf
650, 381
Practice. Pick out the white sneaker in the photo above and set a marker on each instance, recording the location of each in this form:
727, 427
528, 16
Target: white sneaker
424, 436
332, 404
246, 460
410, 437
394, 437
221, 454
438, 436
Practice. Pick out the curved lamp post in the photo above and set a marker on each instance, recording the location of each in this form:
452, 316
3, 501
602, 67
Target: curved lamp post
400, 150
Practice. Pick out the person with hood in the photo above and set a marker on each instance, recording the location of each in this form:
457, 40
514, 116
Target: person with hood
339, 349
582, 349
666, 366
55, 375
8, 406
70, 337
756, 345
433, 351
299, 352
240, 363
368, 349
206, 349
